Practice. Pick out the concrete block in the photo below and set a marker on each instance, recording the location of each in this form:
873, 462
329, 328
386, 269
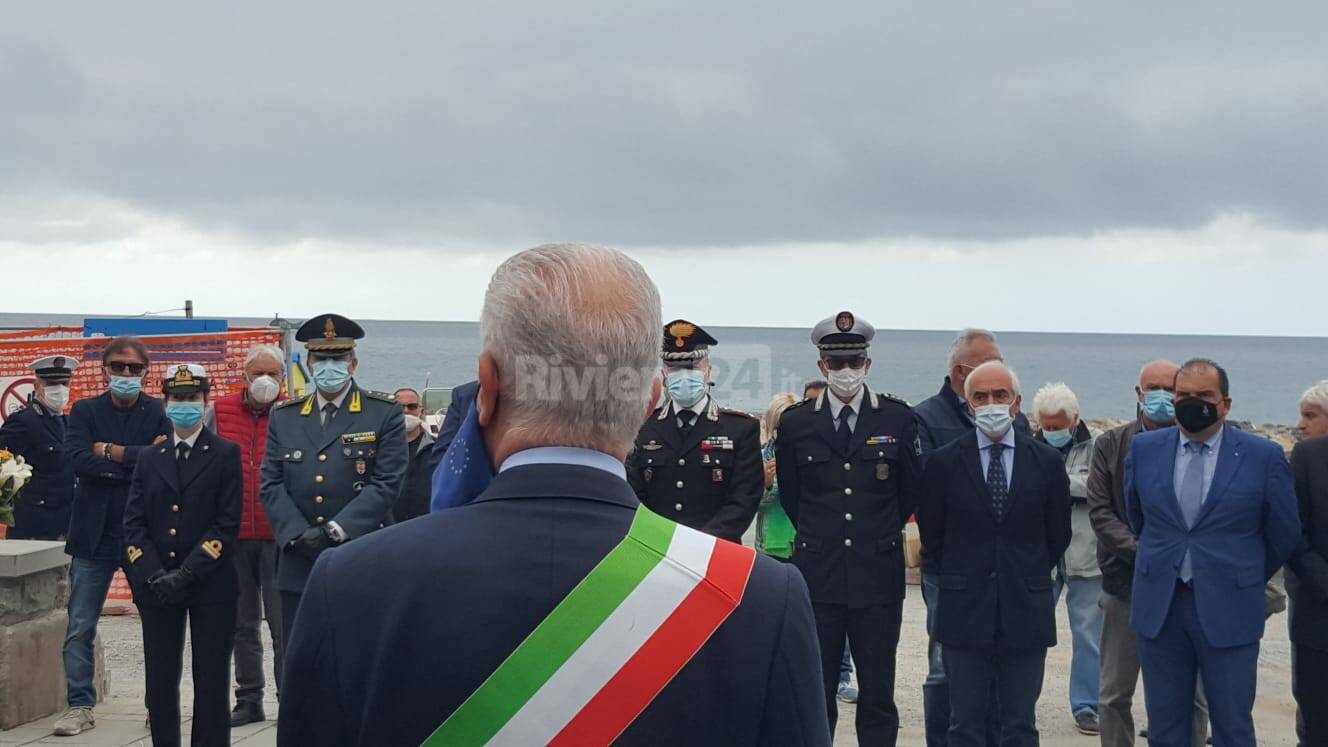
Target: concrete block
34, 595
24, 557
32, 673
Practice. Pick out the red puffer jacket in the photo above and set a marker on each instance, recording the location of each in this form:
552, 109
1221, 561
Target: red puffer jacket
237, 422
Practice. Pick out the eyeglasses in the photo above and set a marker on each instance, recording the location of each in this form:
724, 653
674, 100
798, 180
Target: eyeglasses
412, 407
839, 364
120, 367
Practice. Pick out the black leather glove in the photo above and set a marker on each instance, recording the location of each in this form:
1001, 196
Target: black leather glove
313, 541
171, 586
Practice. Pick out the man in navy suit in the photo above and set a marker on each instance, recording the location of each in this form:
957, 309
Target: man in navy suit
1215, 512
995, 517
105, 438
400, 628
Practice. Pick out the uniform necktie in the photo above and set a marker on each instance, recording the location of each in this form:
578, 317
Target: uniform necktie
181, 451
845, 432
996, 481
329, 412
1191, 496
686, 419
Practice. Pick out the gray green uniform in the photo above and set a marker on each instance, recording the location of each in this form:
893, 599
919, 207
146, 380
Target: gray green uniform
349, 471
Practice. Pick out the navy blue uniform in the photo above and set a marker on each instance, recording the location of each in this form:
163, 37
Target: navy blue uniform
42, 509
397, 629
184, 514
849, 499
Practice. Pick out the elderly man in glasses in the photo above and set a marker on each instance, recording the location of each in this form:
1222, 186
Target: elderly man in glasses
105, 436
416, 490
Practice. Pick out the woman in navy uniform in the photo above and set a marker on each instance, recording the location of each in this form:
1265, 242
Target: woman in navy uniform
37, 433
180, 523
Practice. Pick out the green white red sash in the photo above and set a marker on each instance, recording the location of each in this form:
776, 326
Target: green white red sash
603, 654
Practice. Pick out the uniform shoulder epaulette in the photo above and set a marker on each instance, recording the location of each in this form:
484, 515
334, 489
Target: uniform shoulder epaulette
292, 401
895, 398
384, 396
739, 413
800, 403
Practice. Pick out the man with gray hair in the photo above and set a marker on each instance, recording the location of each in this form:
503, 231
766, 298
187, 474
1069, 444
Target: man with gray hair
554, 607
942, 418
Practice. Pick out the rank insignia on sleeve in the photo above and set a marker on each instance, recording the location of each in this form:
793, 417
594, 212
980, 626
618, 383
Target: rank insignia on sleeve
213, 549
134, 554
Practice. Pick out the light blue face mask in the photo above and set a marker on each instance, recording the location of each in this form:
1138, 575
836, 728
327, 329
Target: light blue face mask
686, 386
331, 375
1057, 438
1159, 406
126, 387
184, 415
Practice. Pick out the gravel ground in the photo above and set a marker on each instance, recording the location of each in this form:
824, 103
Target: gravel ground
1274, 708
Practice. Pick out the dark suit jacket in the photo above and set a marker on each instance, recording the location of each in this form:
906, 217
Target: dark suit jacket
849, 507
943, 417
1245, 531
1116, 541
42, 510
1307, 577
995, 577
103, 485
397, 629
185, 515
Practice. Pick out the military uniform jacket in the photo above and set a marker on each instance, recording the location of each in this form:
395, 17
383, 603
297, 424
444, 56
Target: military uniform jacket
42, 509
185, 515
350, 471
710, 479
849, 508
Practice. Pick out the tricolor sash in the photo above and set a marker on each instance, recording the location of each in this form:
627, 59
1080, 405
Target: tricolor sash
603, 654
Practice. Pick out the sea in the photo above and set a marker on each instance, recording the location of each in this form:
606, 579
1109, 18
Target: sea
1268, 374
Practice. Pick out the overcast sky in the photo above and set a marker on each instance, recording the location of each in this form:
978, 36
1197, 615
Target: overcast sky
1058, 166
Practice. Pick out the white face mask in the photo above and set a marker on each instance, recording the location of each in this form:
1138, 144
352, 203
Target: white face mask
993, 420
264, 389
846, 382
56, 397
412, 422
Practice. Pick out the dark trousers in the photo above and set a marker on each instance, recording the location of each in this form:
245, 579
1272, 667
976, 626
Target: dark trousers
290, 604
935, 690
256, 565
1172, 663
211, 633
973, 673
873, 634
1311, 685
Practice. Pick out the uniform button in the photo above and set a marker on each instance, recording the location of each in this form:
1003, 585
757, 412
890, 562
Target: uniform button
171, 554
172, 531
682, 462
848, 491
809, 458
677, 507
847, 465
318, 499
322, 457
321, 520
175, 508
848, 517
318, 478
848, 543
679, 483
41, 503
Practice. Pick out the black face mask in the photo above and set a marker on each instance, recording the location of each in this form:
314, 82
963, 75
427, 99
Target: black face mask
1195, 415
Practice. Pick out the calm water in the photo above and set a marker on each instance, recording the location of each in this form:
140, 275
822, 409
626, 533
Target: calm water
1267, 373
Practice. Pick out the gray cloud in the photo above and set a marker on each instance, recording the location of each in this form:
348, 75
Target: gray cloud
645, 124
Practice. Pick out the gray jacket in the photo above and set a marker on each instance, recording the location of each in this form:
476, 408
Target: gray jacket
1081, 557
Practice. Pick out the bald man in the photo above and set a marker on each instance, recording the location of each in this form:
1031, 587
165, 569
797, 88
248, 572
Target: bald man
1115, 554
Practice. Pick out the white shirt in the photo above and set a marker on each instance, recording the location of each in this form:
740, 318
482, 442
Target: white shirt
565, 455
323, 402
1007, 456
837, 404
1183, 458
190, 439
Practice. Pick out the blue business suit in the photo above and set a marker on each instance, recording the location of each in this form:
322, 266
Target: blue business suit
1245, 530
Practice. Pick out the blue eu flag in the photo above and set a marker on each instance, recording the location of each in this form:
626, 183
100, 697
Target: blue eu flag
464, 472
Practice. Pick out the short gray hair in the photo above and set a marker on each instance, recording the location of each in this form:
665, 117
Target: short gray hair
268, 351
1053, 399
1316, 396
961, 342
1014, 378
576, 332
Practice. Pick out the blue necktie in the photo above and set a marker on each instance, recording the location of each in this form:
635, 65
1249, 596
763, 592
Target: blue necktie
996, 481
1191, 496
845, 433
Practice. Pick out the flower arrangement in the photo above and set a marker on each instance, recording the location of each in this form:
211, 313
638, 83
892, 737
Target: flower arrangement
14, 474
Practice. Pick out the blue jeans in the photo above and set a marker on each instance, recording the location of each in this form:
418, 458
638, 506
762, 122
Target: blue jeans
89, 581
1086, 618
845, 666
